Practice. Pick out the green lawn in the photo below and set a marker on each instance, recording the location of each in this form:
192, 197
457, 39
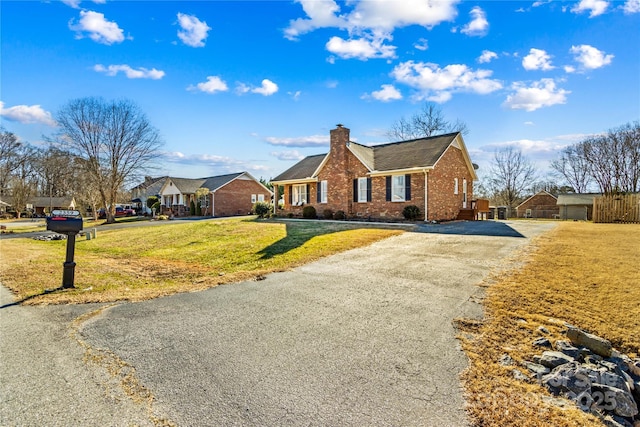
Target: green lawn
146, 262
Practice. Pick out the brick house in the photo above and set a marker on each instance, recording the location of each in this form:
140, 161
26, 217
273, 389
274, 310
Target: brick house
541, 205
228, 195
435, 174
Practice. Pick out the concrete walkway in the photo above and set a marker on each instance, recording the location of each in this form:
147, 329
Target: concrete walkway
360, 338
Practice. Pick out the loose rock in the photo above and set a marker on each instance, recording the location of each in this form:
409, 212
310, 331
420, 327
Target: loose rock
598, 345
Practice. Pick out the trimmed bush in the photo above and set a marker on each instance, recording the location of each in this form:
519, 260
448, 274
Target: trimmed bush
156, 206
192, 208
327, 214
309, 212
411, 212
339, 215
261, 209
290, 215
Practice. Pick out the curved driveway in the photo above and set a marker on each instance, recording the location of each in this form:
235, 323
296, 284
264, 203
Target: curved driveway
364, 337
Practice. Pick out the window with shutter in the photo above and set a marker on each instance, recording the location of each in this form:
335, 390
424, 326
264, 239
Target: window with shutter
398, 189
362, 190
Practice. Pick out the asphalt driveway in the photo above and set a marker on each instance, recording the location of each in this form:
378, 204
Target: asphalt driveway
360, 338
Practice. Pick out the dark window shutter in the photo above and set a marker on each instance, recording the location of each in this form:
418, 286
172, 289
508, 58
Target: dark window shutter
407, 187
368, 189
290, 195
388, 189
318, 195
355, 190
308, 195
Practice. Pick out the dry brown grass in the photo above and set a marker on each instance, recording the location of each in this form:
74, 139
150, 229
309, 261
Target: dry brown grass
581, 273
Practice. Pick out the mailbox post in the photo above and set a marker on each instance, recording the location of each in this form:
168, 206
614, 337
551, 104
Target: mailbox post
67, 222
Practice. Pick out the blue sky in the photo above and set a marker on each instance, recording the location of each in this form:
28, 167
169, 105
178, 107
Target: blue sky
257, 85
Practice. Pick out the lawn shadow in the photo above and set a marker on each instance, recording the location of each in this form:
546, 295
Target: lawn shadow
297, 234
45, 292
471, 228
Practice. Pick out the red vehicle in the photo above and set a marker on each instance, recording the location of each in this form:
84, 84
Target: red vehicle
119, 212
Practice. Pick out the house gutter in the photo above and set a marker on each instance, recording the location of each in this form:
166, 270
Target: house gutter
294, 181
399, 171
426, 196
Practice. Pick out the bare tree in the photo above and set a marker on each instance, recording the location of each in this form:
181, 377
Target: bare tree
511, 175
22, 182
13, 154
429, 121
115, 140
573, 167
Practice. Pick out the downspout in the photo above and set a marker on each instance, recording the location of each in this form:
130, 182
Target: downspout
213, 204
426, 196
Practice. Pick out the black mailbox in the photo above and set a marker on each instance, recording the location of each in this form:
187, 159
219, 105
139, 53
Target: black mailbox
64, 221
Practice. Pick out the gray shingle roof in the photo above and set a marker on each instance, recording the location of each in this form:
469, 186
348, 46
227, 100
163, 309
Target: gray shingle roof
415, 153
187, 185
215, 182
423, 152
577, 199
303, 169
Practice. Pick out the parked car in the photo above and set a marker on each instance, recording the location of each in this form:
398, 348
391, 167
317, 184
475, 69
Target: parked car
119, 212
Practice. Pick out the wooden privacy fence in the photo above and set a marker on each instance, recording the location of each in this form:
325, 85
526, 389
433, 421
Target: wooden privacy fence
617, 208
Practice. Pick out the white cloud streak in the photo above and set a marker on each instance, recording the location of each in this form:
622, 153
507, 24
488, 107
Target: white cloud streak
268, 88
539, 94
487, 56
589, 57
302, 141
479, 26
98, 29
287, 155
193, 31
27, 114
595, 7
438, 84
212, 85
385, 94
631, 6
131, 73
362, 48
537, 59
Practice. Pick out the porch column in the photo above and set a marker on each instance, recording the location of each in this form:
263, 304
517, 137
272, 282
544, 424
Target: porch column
276, 197
426, 196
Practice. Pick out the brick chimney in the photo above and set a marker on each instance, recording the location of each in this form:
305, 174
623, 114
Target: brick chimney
339, 141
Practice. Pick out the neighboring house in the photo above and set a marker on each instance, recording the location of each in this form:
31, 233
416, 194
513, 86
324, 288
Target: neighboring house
435, 174
541, 205
140, 193
576, 206
228, 195
40, 205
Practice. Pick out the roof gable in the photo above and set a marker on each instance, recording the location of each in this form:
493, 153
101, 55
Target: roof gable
305, 168
415, 153
539, 193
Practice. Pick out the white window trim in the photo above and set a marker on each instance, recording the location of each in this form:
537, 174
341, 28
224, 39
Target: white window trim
299, 194
323, 191
455, 185
261, 197
464, 193
362, 195
394, 186
254, 198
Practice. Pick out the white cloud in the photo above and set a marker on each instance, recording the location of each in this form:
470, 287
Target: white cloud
479, 26
363, 48
423, 44
140, 73
27, 114
72, 3
194, 32
542, 93
589, 57
385, 94
212, 85
487, 56
295, 95
596, 7
98, 28
529, 123
569, 69
537, 59
268, 88
287, 155
437, 84
631, 6
367, 15
302, 141
332, 84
